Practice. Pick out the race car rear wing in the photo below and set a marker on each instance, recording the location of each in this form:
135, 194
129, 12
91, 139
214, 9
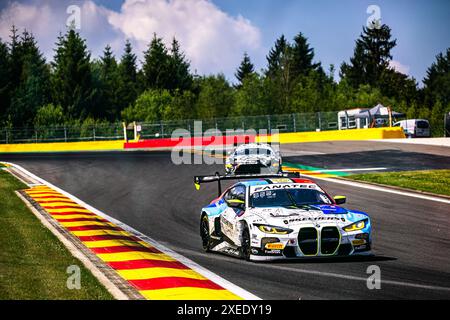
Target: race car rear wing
198, 180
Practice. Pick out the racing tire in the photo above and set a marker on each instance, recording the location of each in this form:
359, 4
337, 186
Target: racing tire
204, 233
246, 244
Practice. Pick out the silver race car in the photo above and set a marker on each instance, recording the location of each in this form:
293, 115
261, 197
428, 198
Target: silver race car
253, 158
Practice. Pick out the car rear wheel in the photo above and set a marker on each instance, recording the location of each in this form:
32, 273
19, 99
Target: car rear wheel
246, 245
204, 233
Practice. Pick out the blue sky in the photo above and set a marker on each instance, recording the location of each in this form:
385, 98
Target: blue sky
421, 28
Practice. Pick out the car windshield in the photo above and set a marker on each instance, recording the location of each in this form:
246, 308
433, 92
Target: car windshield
288, 198
254, 151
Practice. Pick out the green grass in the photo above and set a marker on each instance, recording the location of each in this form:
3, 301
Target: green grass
33, 262
434, 181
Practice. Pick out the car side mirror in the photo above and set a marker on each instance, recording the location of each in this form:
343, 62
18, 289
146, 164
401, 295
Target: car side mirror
340, 199
236, 203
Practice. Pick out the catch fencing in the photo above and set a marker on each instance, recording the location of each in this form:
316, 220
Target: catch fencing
299, 122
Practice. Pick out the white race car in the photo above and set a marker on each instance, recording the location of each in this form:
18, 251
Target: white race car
277, 217
253, 158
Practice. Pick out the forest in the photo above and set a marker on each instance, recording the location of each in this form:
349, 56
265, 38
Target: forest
77, 89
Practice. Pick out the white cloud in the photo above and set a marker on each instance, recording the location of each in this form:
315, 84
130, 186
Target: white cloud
397, 66
213, 40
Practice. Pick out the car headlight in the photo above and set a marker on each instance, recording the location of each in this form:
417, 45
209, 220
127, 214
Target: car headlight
356, 226
273, 230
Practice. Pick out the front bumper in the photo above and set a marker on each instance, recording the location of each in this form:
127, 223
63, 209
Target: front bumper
294, 247
253, 167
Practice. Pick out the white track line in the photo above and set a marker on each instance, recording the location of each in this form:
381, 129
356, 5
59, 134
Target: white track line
382, 189
351, 170
348, 277
191, 264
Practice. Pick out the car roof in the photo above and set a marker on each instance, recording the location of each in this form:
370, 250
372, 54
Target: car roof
258, 182
254, 145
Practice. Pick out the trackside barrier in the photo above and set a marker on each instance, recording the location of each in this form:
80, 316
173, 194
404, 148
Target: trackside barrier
335, 135
62, 146
191, 141
282, 138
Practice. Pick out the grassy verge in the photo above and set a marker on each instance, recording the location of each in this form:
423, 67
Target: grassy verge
33, 262
434, 181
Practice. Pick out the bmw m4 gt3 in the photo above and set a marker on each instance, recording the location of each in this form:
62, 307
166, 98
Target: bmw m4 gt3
281, 218
253, 158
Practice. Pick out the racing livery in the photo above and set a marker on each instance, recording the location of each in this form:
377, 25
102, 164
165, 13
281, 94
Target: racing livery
282, 218
253, 158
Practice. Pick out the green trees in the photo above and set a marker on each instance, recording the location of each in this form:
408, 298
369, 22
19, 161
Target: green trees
276, 56
370, 65
49, 115
166, 69
76, 89
29, 79
127, 77
371, 56
437, 80
108, 87
216, 97
72, 76
4, 80
156, 65
246, 68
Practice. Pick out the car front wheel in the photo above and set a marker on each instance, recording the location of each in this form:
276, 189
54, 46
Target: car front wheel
204, 233
246, 245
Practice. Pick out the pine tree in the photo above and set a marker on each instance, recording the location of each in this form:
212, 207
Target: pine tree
275, 56
4, 80
246, 68
355, 73
302, 56
437, 80
371, 56
109, 86
72, 78
15, 65
127, 73
157, 65
31, 88
180, 79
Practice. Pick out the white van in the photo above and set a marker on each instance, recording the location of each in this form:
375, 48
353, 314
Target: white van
415, 127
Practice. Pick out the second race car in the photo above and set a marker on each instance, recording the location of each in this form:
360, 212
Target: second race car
253, 158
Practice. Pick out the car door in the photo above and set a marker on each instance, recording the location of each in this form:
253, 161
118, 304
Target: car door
230, 216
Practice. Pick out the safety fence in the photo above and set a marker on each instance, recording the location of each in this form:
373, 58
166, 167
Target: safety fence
299, 122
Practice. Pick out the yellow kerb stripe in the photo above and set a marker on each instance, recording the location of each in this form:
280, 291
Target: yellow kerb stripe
66, 210
60, 204
152, 273
85, 223
134, 255
85, 233
74, 216
114, 243
185, 293
43, 194
39, 200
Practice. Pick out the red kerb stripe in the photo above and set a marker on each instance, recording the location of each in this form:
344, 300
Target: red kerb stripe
107, 237
93, 227
119, 249
82, 219
173, 282
146, 263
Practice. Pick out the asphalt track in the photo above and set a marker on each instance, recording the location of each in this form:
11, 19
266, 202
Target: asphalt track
148, 192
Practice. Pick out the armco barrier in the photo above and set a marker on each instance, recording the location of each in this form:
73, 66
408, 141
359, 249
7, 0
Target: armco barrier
190, 141
62, 146
335, 135
282, 138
